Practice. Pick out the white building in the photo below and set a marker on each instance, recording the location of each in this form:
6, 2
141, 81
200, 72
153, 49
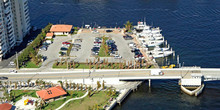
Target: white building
61, 29
14, 24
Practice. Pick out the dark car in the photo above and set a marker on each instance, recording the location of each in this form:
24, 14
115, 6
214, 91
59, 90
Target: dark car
3, 78
127, 37
63, 49
108, 30
135, 50
95, 49
113, 49
97, 42
137, 53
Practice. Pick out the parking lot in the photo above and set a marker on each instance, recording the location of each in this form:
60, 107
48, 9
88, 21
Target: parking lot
85, 42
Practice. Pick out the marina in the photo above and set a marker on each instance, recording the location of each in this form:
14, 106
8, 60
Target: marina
110, 54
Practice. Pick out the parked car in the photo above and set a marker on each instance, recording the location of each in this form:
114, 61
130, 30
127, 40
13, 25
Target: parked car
66, 43
97, 45
117, 57
3, 78
127, 37
77, 40
12, 71
135, 50
98, 39
43, 48
75, 49
12, 63
95, 53
131, 44
49, 42
63, 49
95, 49
108, 30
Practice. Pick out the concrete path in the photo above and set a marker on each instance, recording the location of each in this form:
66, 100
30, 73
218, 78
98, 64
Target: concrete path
72, 100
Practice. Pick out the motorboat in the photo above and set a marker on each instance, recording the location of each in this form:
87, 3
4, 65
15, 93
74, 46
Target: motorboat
160, 52
155, 43
155, 30
161, 49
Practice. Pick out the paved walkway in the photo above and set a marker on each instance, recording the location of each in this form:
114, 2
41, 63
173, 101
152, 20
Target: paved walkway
72, 100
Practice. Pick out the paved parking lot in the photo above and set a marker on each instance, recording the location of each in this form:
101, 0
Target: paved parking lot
53, 50
87, 44
84, 53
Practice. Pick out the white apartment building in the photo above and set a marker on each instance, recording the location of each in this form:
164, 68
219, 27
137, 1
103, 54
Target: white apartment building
14, 24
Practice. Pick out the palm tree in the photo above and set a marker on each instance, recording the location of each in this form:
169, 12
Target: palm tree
128, 26
36, 103
103, 84
28, 81
61, 83
16, 85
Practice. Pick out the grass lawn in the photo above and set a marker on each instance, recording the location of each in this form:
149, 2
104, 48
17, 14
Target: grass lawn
56, 104
82, 65
99, 98
63, 66
31, 65
20, 93
102, 50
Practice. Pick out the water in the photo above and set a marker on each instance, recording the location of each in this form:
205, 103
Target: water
190, 26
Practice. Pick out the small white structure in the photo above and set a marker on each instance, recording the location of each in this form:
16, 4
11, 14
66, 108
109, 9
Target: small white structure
49, 36
61, 29
191, 82
156, 72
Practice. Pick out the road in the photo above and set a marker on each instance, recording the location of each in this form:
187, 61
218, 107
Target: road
121, 74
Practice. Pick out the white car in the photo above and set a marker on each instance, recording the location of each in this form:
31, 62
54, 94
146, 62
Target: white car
12, 71
12, 63
117, 57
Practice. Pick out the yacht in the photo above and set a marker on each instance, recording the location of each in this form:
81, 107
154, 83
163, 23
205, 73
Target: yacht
155, 43
160, 52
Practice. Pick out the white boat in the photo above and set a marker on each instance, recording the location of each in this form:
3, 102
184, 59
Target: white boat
161, 49
141, 26
156, 38
155, 43
155, 30
160, 52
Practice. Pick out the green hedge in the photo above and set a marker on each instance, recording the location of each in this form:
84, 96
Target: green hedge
31, 51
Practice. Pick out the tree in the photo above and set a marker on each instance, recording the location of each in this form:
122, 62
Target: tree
74, 85
61, 83
103, 84
77, 86
16, 85
81, 87
28, 81
89, 93
128, 26
66, 84
98, 84
36, 103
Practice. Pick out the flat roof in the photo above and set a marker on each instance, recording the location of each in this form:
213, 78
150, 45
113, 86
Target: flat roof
61, 28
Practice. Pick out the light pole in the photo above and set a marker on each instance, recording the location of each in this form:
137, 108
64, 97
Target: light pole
17, 61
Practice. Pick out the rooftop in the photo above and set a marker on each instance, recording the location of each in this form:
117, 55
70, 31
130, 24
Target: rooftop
49, 34
61, 28
51, 92
5, 106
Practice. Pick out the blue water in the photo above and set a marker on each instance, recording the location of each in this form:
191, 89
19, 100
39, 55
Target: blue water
192, 28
